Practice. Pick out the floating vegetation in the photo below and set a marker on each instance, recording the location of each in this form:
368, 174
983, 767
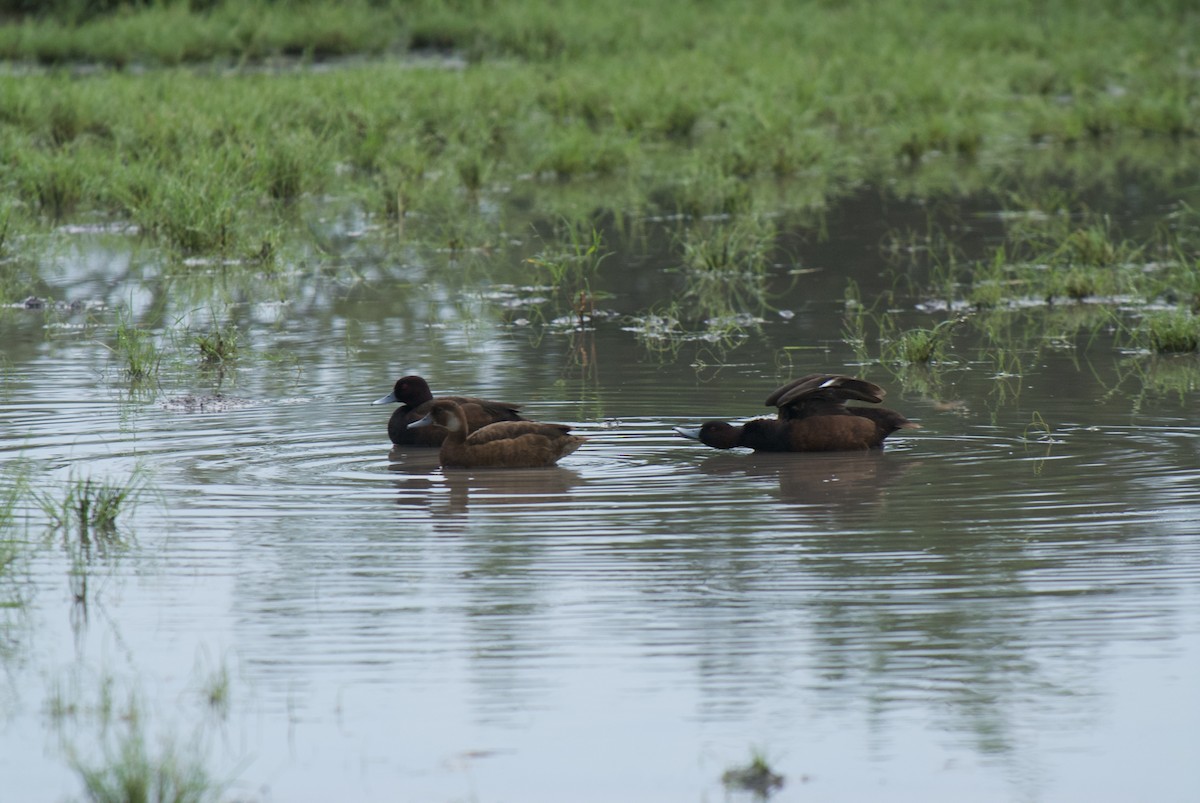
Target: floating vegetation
216, 403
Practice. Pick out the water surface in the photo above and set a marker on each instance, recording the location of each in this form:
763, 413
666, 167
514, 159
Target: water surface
1003, 605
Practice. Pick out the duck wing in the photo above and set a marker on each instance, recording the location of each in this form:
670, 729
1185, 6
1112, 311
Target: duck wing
481, 412
512, 444
511, 430
826, 387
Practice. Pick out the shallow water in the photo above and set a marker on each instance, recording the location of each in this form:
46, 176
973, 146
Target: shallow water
992, 609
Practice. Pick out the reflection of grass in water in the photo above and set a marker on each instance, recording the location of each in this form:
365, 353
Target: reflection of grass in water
13, 483
1175, 375
1038, 431
570, 266
726, 265
129, 771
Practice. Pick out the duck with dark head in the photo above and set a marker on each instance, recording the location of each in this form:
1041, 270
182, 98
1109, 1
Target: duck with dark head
415, 398
504, 444
812, 417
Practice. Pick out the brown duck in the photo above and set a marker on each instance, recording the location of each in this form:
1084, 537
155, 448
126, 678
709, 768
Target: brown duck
813, 417
505, 444
415, 398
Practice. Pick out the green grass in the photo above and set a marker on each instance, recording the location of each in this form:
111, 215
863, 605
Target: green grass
918, 346
136, 350
132, 773
14, 550
220, 345
569, 264
1172, 331
756, 777
700, 108
726, 266
90, 509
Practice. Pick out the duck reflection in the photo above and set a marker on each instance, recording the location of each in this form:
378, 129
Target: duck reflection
838, 479
415, 474
509, 490
421, 482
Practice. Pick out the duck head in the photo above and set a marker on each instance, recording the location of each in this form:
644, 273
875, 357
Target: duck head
410, 390
717, 434
444, 414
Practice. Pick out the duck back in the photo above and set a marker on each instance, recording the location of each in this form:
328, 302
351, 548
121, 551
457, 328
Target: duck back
510, 444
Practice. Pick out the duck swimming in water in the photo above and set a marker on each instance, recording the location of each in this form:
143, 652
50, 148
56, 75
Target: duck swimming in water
505, 444
415, 398
813, 417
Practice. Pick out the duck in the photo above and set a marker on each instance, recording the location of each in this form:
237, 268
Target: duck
812, 417
504, 444
415, 398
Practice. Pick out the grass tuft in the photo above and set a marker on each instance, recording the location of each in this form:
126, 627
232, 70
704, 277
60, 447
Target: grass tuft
756, 777
570, 266
727, 265
130, 773
137, 350
921, 346
219, 345
91, 508
1172, 331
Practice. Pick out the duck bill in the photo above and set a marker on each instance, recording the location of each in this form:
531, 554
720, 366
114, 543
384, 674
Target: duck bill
427, 421
388, 399
692, 433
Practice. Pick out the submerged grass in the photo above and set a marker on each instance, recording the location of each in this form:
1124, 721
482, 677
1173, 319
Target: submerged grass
130, 770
